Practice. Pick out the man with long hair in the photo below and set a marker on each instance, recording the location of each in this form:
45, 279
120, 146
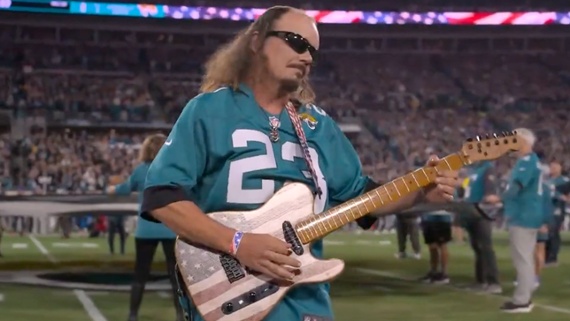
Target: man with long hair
253, 128
148, 234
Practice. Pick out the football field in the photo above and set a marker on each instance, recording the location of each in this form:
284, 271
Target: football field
374, 285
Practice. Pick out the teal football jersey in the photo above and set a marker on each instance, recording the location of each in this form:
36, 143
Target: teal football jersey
479, 182
220, 152
523, 198
145, 229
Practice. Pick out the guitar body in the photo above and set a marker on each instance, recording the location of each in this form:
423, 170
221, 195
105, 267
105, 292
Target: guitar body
214, 281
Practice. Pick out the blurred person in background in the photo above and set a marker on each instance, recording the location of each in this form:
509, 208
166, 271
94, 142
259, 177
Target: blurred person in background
148, 234
523, 209
407, 226
457, 231
116, 225
480, 183
559, 202
436, 226
1, 234
543, 235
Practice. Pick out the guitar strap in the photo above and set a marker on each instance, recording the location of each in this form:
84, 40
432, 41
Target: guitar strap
183, 299
296, 121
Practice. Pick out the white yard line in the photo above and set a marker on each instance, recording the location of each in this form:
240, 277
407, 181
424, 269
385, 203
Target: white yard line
42, 249
408, 278
164, 294
89, 306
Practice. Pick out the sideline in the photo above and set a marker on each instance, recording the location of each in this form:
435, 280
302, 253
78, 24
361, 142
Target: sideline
407, 278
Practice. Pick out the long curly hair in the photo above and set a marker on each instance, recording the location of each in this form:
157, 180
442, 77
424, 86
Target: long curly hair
150, 147
230, 65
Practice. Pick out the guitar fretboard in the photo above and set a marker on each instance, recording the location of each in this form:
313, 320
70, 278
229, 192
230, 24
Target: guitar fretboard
329, 221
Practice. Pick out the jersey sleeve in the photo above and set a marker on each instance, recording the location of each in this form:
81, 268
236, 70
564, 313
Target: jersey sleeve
349, 179
128, 186
179, 164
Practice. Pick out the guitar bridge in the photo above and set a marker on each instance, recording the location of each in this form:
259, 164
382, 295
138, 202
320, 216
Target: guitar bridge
232, 268
292, 239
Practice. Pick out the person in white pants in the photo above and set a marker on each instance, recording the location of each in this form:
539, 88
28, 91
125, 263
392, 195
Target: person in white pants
523, 207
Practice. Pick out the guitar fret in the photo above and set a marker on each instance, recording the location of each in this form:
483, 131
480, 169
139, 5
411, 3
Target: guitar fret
359, 210
363, 203
340, 218
328, 221
396, 187
380, 197
405, 183
304, 235
312, 229
387, 192
446, 162
319, 226
334, 221
369, 198
427, 177
351, 213
416, 180
346, 216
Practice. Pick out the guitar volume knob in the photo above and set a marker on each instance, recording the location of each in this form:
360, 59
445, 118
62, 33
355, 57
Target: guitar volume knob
252, 296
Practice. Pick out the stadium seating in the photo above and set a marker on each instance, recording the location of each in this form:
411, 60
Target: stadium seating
408, 104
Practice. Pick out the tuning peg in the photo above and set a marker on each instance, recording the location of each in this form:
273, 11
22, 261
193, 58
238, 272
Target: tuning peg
487, 136
469, 140
495, 136
478, 138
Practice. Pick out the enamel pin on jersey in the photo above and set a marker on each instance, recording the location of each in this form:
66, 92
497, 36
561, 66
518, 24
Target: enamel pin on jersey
223, 290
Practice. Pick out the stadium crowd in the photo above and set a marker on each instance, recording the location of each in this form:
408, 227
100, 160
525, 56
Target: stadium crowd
408, 105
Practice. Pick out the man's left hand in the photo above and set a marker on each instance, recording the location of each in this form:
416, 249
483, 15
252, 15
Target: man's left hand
446, 183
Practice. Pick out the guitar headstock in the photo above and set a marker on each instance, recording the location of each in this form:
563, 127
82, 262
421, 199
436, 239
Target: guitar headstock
490, 147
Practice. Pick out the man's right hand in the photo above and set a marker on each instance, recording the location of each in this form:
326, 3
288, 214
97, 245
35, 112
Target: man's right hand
268, 255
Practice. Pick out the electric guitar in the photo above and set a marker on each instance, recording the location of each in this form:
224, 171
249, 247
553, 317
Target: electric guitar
222, 289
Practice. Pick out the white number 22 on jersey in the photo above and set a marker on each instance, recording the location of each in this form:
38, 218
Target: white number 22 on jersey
289, 151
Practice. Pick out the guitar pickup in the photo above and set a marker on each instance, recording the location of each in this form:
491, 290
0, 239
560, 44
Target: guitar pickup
232, 268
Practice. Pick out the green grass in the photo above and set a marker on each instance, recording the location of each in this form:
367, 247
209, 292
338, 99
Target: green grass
374, 285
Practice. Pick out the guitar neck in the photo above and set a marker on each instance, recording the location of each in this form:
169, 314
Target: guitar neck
318, 226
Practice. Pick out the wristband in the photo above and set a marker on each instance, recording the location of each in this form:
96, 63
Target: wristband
235, 242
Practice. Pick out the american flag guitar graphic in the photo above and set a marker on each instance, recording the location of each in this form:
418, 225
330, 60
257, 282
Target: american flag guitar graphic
222, 289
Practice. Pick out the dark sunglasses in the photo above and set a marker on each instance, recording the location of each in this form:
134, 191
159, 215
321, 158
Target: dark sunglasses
299, 44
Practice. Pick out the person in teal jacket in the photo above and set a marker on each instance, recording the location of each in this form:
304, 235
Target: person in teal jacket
523, 203
479, 183
148, 234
